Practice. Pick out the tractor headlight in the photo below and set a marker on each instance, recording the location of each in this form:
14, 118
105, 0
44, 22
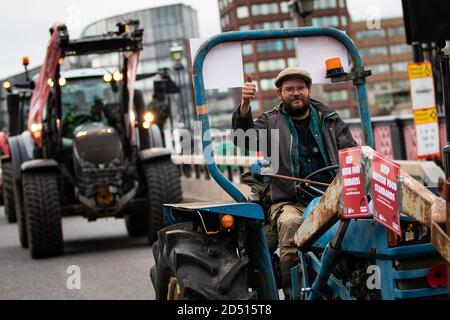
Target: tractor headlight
107, 77
149, 117
36, 130
117, 76
62, 82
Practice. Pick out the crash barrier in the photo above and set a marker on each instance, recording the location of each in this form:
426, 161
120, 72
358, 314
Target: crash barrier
197, 183
395, 136
198, 186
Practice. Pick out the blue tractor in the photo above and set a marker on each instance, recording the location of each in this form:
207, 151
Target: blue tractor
221, 251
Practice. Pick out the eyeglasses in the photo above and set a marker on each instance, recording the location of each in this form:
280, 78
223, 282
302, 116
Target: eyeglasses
291, 90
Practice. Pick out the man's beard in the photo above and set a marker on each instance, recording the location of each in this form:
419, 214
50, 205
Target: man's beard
297, 111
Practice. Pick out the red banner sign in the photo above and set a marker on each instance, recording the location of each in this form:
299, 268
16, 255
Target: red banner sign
354, 199
384, 191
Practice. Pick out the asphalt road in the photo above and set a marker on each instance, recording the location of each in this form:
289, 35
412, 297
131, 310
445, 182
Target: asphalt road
111, 265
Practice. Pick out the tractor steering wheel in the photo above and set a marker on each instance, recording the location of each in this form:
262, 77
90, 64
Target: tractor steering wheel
82, 118
307, 193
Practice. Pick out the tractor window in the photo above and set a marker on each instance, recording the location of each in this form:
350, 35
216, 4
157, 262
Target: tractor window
88, 100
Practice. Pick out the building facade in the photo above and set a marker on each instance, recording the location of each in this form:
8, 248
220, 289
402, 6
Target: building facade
265, 59
163, 28
385, 52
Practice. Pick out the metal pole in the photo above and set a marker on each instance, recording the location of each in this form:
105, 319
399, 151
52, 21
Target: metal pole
328, 261
171, 122
179, 68
446, 93
417, 52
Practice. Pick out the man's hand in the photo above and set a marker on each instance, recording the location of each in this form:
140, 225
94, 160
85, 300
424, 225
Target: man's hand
248, 94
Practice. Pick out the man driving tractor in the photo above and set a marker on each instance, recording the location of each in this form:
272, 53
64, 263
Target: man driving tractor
310, 135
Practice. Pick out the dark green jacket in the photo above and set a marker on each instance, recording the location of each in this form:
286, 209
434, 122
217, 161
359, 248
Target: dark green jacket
331, 134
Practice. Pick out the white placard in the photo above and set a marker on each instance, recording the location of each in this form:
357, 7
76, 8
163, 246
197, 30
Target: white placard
223, 67
427, 139
312, 52
422, 93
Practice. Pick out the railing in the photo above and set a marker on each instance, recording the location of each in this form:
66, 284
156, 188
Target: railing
395, 136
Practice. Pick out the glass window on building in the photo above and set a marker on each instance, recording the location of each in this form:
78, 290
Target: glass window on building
336, 96
265, 9
396, 31
247, 49
270, 46
290, 44
370, 34
249, 67
267, 25
225, 21
400, 48
326, 21
344, 113
288, 24
284, 7
341, 3
267, 84
382, 86
401, 84
244, 27
324, 4
344, 21
401, 66
292, 62
379, 68
373, 51
255, 105
149, 66
242, 12
271, 65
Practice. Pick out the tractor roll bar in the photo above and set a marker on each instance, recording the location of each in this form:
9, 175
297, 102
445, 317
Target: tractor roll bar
357, 74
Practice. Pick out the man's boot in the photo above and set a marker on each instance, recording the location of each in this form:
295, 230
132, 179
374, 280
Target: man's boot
286, 282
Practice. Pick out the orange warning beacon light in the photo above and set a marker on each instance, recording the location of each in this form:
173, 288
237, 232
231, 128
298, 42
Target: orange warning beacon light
334, 67
25, 61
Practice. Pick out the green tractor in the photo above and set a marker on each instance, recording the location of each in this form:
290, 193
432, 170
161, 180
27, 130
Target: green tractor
88, 149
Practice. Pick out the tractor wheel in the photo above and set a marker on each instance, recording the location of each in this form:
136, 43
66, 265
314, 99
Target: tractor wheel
8, 192
192, 266
135, 223
20, 214
163, 186
42, 209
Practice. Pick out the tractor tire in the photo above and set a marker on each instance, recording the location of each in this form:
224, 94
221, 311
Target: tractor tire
42, 208
193, 266
20, 214
8, 192
136, 224
163, 186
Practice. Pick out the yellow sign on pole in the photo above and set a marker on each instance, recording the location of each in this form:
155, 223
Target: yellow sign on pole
423, 116
424, 109
420, 70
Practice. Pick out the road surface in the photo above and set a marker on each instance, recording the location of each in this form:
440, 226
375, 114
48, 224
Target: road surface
111, 265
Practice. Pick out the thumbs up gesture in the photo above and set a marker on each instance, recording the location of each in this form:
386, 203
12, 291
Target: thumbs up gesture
248, 94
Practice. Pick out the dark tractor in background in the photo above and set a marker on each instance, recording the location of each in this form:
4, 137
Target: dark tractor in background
91, 154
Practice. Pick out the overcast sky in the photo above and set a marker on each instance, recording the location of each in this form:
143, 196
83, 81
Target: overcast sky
24, 24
